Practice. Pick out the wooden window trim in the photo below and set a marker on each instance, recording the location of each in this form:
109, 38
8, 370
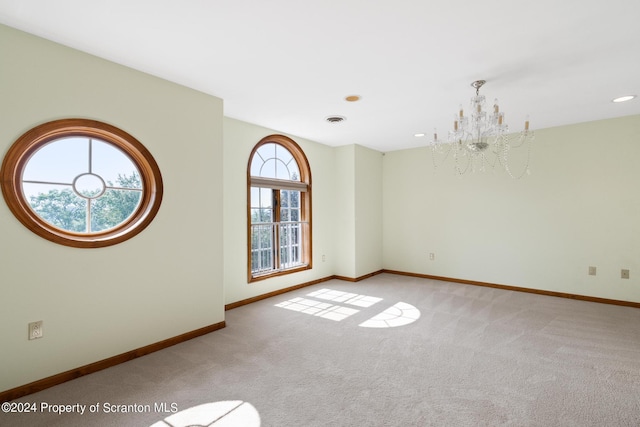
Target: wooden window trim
20, 152
305, 203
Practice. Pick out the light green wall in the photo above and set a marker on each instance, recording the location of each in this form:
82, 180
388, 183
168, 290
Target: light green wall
580, 207
358, 211
97, 303
239, 139
345, 211
368, 211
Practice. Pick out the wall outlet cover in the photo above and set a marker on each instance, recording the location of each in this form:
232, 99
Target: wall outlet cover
35, 330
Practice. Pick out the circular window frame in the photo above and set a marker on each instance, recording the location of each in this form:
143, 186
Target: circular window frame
24, 147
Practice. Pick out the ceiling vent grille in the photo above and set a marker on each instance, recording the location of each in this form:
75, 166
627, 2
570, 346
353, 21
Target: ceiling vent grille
335, 119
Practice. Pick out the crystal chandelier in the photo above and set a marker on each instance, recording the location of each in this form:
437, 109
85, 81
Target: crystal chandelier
483, 141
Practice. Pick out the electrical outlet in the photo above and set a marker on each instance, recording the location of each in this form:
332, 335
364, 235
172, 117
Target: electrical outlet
35, 330
592, 271
624, 274
432, 256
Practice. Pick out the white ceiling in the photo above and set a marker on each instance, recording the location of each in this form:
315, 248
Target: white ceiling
288, 64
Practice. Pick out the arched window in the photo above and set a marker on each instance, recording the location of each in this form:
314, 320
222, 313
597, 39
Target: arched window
81, 183
279, 208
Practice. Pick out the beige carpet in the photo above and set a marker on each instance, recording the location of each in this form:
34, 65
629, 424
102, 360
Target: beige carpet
387, 351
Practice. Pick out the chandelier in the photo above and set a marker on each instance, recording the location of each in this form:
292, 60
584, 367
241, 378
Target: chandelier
483, 141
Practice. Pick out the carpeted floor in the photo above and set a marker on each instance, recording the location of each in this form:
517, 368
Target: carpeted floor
387, 351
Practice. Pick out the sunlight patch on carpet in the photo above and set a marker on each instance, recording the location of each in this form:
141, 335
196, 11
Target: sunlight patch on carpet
345, 297
399, 314
217, 414
317, 308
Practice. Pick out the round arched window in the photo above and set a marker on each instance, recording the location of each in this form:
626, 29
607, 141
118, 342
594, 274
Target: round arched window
279, 208
81, 183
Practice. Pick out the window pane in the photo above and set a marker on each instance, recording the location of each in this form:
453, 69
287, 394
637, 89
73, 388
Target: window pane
268, 169
256, 164
283, 154
288, 168
261, 247
267, 151
255, 238
88, 186
262, 163
113, 208
294, 172
266, 198
282, 171
294, 199
114, 166
265, 237
284, 235
58, 206
290, 245
255, 197
261, 204
266, 215
289, 202
33, 190
59, 161
255, 216
266, 260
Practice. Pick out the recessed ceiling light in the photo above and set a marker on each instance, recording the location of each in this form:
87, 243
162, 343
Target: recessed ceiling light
418, 135
352, 98
624, 98
335, 119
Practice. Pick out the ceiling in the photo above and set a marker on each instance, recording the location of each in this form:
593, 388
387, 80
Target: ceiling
289, 64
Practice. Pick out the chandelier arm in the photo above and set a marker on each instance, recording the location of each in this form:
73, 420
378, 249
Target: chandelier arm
434, 154
456, 156
526, 169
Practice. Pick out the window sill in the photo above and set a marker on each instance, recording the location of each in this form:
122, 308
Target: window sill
263, 276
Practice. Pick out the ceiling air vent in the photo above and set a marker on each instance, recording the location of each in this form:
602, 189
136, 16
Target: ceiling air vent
335, 119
